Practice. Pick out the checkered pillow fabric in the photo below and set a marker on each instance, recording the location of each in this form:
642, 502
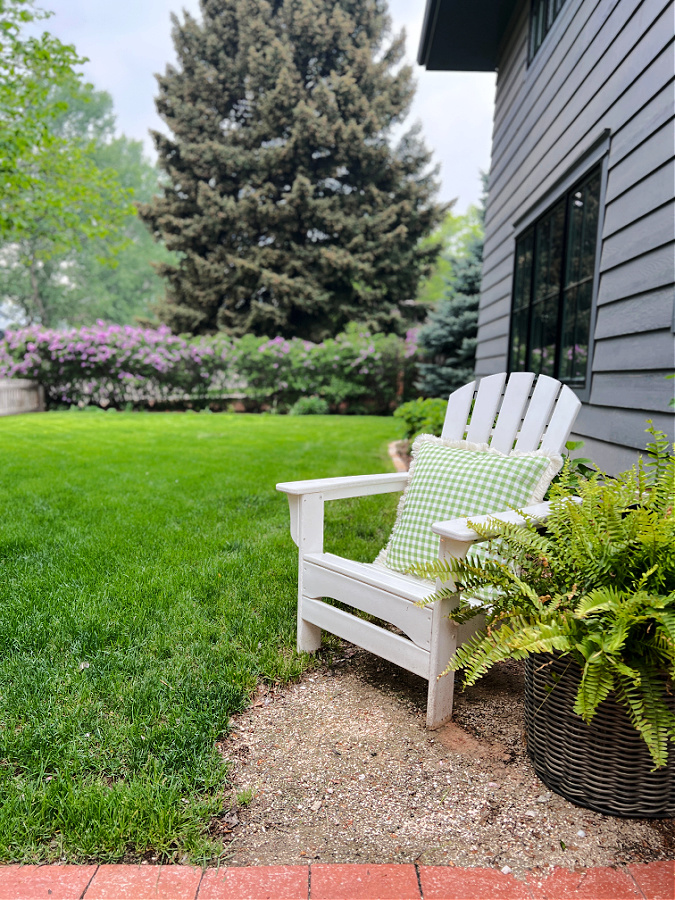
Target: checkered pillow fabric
450, 479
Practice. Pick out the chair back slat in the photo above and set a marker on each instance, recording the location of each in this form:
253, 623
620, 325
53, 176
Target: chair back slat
485, 409
502, 415
459, 406
511, 413
563, 418
538, 413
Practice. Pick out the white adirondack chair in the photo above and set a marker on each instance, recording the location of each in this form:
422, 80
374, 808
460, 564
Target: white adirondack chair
510, 418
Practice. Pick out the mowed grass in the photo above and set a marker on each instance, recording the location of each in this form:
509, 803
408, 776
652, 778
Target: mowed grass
147, 582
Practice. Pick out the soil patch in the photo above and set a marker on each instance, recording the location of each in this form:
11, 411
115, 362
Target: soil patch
340, 768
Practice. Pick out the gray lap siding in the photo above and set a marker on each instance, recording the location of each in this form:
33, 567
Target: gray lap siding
605, 67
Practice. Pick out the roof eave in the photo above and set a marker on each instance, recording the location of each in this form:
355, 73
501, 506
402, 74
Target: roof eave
461, 36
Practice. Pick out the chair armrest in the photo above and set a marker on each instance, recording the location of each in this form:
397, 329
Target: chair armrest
350, 486
459, 530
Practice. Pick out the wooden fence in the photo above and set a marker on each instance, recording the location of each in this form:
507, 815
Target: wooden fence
19, 395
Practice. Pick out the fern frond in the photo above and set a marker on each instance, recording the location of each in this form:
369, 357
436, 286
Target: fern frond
597, 682
648, 713
522, 537
666, 620
437, 568
626, 671
479, 654
595, 601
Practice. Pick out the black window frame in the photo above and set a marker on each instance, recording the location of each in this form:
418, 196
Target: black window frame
543, 13
564, 197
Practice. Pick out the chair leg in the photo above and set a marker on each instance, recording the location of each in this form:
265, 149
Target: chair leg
443, 645
309, 636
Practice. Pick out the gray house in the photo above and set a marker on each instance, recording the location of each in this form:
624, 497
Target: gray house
579, 270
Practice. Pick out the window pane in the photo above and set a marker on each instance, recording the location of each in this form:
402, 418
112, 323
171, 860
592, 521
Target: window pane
575, 332
548, 261
550, 14
543, 336
582, 231
591, 202
542, 16
522, 295
522, 290
536, 26
519, 341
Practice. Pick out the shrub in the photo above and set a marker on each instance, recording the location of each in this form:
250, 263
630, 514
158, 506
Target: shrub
114, 366
354, 372
422, 416
309, 406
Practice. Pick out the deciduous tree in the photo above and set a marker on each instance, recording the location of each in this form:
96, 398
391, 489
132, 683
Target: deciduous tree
54, 198
94, 274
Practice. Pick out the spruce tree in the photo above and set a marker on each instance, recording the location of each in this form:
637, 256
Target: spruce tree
448, 339
447, 342
290, 209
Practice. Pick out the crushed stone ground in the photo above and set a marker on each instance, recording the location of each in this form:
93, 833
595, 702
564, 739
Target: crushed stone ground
340, 768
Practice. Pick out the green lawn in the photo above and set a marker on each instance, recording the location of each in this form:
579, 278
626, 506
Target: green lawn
147, 580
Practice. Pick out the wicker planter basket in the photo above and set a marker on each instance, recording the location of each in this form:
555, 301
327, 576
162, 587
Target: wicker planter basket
604, 766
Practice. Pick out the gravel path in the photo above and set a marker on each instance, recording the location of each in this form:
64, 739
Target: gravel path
341, 769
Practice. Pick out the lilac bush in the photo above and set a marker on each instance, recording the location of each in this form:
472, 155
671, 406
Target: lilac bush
113, 365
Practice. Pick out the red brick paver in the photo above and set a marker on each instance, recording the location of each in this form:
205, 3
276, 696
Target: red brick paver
337, 882
44, 882
656, 880
593, 884
450, 883
256, 883
144, 883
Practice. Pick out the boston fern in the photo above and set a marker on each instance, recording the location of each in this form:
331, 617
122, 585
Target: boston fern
597, 585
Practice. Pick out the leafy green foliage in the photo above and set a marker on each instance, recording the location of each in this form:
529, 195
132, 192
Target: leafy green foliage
454, 236
114, 365
422, 416
53, 197
148, 582
309, 406
29, 68
597, 585
104, 273
577, 468
293, 212
355, 371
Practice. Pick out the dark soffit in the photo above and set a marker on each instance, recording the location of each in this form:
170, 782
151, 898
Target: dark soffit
463, 35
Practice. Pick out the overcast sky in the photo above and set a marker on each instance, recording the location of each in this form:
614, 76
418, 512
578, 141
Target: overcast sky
127, 41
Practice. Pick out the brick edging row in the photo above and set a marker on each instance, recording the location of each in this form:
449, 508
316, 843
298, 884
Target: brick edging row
647, 881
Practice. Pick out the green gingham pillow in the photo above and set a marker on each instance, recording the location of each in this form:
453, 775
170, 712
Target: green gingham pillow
452, 479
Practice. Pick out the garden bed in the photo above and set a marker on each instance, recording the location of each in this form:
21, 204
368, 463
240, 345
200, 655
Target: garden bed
339, 768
